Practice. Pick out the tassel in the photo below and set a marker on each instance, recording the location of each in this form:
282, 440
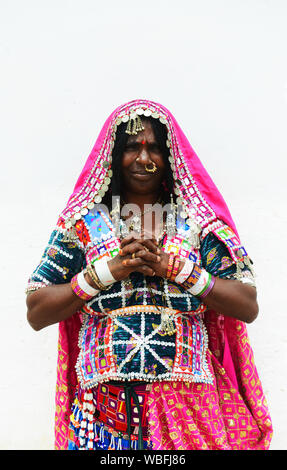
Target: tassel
112, 445
134, 442
119, 446
90, 410
82, 434
87, 422
96, 438
102, 438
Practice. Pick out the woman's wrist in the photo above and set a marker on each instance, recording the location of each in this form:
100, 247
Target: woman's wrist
184, 271
200, 282
89, 280
177, 269
99, 274
82, 288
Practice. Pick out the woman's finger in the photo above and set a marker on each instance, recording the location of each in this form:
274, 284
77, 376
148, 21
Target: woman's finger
131, 248
133, 262
147, 256
151, 245
146, 270
127, 240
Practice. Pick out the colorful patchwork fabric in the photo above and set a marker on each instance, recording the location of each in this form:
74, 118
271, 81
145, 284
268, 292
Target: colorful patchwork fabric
129, 344
109, 425
121, 335
195, 416
174, 416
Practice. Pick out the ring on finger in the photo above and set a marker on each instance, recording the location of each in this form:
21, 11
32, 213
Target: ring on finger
133, 256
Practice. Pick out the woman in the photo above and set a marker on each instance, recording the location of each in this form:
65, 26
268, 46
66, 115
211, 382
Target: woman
152, 288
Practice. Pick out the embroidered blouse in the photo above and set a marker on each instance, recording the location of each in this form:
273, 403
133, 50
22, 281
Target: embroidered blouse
121, 336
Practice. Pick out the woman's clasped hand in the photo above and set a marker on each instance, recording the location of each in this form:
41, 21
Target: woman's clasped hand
139, 254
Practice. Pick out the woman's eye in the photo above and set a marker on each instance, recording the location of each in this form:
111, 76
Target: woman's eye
154, 148
131, 147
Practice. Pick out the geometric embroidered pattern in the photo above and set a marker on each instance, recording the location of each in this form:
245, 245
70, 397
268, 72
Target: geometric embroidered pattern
131, 345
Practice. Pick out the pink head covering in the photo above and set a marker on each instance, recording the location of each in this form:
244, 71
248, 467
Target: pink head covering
205, 205
202, 198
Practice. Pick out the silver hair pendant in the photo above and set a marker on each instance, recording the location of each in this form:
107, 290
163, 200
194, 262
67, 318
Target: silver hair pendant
170, 225
136, 224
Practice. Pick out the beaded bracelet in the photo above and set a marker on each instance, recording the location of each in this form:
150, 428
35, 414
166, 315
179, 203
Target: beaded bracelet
170, 265
81, 287
175, 268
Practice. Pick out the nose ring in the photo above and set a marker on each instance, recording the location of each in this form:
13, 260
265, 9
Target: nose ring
151, 170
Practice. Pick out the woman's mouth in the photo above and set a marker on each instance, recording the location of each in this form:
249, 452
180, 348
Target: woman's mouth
140, 174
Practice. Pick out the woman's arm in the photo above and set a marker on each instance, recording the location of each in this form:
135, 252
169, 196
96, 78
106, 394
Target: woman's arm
228, 297
56, 303
52, 304
233, 299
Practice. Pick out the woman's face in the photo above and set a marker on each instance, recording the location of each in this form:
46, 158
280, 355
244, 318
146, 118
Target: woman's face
141, 152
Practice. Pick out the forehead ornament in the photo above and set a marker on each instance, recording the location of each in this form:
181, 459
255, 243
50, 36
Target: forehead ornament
135, 124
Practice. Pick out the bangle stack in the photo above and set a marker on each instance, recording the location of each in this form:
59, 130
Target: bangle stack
185, 272
100, 274
82, 288
207, 287
173, 267
193, 277
199, 282
170, 265
95, 278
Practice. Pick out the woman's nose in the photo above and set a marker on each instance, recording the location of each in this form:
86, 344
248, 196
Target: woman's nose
143, 156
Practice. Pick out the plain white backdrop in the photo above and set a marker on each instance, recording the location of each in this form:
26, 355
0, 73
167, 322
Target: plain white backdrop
220, 67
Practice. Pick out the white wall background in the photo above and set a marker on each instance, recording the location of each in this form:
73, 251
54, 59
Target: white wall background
220, 67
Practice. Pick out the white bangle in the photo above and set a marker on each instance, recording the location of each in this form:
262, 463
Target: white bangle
185, 272
103, 272
201, 283
85, 286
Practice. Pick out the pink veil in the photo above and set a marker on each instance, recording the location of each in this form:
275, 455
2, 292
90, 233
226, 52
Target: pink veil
208, 209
